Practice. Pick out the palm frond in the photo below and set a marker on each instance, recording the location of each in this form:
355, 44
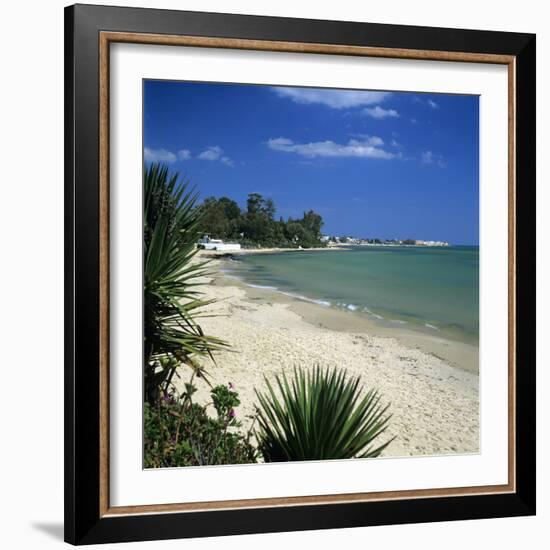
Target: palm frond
172, 298
319, 414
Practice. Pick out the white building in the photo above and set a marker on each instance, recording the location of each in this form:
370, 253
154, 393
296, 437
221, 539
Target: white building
217, 244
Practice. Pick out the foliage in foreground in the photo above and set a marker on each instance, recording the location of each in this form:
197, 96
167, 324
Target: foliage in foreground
257, 226
178, 432
318, 415
172, 335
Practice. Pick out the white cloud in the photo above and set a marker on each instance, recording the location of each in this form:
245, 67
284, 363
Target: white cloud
163, 155
211, 153
379, 112
227, 160
428, 157
336, 99
370, 140
369, 147
215, 153
429, 102
158, 155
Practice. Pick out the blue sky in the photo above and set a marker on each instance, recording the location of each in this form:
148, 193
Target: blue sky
373, 164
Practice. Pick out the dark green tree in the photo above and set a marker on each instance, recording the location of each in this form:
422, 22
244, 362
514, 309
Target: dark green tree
254, 203
256, 226
214, 220
313, 222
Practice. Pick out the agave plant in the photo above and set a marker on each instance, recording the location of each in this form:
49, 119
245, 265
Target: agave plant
319, 415
172, 335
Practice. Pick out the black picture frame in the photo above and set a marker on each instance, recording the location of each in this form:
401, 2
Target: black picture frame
84, 523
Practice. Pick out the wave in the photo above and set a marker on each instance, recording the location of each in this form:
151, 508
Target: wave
354, 307
325, 303
289, 294
375, 315
306, 299
262, 287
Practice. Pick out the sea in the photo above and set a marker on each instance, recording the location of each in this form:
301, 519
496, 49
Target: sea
433, 289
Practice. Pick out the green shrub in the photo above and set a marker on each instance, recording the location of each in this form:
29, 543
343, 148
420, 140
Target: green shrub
319, 415
179, 432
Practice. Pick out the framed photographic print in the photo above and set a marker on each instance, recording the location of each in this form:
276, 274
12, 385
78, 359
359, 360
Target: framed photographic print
299, 274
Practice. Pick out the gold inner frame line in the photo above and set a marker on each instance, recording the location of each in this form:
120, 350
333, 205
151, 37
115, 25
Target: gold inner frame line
105, 39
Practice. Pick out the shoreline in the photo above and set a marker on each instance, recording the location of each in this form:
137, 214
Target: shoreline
269, 250
457, 352
331, 247
434, 402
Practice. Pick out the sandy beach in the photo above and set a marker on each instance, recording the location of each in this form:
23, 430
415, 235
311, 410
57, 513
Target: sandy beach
268, 250
431, 383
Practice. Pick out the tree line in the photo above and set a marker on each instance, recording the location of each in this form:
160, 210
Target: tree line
222, 218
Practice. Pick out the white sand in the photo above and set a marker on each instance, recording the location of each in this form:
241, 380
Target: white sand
435, 405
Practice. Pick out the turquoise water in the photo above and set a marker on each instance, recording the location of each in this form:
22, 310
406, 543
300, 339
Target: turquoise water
432, 288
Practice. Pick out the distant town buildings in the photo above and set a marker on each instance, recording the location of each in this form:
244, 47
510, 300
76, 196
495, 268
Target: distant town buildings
333, 240
431, 243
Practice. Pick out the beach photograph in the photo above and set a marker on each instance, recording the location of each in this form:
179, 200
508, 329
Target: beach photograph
310, 274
